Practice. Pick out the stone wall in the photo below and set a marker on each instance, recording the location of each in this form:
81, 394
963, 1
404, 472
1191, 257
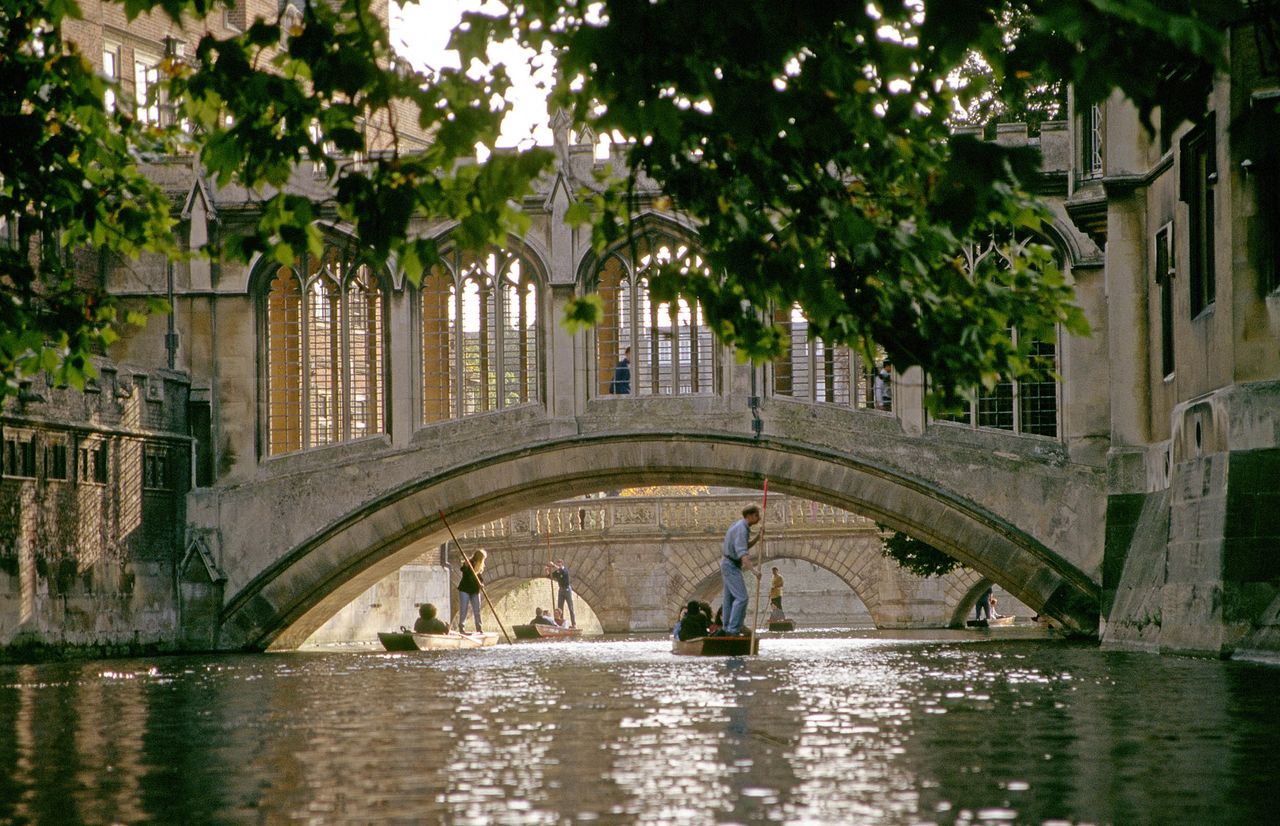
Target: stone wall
91, 507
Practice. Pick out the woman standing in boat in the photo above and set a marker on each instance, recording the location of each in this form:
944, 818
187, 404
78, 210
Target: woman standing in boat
469, 589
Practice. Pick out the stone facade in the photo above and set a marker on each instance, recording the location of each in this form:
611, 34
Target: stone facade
92, 497
1189, 226
1152, 509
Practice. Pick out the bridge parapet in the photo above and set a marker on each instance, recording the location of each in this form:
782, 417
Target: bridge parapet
709, 513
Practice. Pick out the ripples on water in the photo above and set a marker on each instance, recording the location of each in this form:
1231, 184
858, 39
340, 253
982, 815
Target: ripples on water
813, 731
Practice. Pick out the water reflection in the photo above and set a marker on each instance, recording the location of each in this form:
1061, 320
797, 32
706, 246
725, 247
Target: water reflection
828, 730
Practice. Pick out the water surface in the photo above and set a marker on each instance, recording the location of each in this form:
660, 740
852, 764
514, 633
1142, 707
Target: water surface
949, 729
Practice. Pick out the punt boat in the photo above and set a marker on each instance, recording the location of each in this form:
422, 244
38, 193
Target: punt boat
782, 625
978, 623
713, 646
405, 640
538, 631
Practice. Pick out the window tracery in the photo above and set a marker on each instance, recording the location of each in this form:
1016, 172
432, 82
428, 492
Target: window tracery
479, 321
324, 352
671, 349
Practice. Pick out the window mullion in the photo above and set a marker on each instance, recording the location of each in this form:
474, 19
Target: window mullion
341, 349
305, 310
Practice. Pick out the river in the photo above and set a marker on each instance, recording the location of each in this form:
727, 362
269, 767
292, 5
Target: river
948, 728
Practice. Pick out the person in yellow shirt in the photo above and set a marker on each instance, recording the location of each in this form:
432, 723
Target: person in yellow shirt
775, 591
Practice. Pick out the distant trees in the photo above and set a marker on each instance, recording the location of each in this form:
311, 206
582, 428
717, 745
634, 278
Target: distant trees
916, 556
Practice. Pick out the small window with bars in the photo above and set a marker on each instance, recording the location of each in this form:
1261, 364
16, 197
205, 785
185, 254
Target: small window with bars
146, 88
1091, 142
155, 468
1198, 179
19, 454
1164, 283
111, 73
93, 462
55, 461
1026, 406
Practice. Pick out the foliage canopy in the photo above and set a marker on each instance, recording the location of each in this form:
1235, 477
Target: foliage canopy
809, 141
916, 556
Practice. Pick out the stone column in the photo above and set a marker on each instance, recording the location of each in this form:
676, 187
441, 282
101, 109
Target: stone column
908, 400
560, 367
402, 369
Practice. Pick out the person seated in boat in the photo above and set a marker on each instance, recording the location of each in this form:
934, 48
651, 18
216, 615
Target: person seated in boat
991, 602
542, 618
558, 618
427, 621
675, 629
694, 624
776, 615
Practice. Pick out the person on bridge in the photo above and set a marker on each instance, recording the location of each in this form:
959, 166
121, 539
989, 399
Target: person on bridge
736, 558
775, 590
621, 384
469, 590
559, 572
883, 387
427, 621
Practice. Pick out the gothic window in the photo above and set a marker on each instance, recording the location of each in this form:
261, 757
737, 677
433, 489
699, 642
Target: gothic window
1027, 406
671, 348
1199, 174
479, 316
324, 352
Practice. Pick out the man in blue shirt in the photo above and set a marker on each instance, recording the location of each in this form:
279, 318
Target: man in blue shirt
559, 572
737, 543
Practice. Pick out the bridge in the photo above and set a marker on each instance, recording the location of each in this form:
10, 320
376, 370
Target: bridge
306, 540
638, 559
307, 511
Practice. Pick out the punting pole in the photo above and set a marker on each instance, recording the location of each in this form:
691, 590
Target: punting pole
466, 559
755, 625
551, 583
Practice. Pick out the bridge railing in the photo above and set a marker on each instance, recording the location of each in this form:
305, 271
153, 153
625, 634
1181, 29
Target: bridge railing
677, 514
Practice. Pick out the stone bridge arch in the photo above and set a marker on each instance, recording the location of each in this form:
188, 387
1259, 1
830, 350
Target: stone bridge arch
637, 560
504, 572
277, 601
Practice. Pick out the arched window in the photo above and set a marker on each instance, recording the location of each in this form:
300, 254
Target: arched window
324, 366
668, 347
1025, 406
479, 334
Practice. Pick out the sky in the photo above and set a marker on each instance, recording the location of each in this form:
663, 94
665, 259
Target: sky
420, 32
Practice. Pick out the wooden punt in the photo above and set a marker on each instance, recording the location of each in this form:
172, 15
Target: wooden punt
409, 641
713, 646
538, 631
782, 625
979, 623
